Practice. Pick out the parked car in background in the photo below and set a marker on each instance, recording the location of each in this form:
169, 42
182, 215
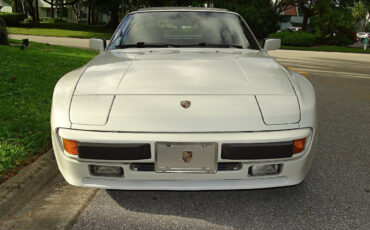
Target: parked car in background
361, 35
183, 99
290, 29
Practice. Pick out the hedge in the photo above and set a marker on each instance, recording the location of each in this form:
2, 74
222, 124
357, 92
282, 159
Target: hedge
298, 38
13, 19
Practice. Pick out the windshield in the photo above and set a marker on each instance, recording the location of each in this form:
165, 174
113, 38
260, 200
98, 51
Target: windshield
183, 29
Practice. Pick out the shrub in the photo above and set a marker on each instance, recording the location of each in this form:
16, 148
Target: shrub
52, 20
298, 38
28, 20
13, 19
3, 33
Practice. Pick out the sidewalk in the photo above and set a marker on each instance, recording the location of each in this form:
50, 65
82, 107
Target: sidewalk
62, 41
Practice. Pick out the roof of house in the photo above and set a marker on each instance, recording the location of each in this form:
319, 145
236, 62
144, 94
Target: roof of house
291, 11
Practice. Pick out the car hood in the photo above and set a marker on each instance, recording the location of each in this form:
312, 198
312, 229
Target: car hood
142, 91
183, 72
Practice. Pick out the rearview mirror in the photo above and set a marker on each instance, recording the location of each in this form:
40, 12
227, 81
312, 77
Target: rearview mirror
272, 44
97, 44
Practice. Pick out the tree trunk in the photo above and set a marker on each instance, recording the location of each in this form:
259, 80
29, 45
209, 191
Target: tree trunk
37, 17
307, 13
89, 13
31, 9
305, 22
77, 8
113, 19
52, 9
16, 8
22, 2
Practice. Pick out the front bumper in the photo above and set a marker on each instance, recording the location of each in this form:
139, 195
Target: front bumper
77, 172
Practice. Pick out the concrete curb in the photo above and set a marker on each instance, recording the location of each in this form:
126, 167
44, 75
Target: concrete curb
18, 190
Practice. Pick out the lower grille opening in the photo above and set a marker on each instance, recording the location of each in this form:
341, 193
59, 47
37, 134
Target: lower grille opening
149, 167
142, 167
106, 171
230, 166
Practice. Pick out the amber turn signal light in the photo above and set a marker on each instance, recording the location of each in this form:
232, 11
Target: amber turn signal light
299, 145
70, 146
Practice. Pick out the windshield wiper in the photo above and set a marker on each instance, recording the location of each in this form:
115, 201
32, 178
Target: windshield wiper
203, 44
145, 45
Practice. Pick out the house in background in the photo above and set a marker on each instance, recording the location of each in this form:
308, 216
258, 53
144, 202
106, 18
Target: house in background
5, 7
45, 12
99, 17
293, 16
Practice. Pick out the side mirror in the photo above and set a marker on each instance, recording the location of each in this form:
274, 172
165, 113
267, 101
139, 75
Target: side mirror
272, 44
97, 44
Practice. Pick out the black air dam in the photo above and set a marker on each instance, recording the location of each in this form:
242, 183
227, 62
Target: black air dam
114, 151
257, 151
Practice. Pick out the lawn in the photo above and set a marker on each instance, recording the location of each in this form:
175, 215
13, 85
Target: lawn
63, 30
343, 49
27, 80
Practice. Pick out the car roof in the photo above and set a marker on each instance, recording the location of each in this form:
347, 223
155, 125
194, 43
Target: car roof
204, 9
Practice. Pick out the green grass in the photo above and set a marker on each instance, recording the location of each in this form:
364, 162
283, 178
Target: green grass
27, 80
63, 30
329, 49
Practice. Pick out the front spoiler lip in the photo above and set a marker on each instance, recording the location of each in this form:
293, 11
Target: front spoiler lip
187, 185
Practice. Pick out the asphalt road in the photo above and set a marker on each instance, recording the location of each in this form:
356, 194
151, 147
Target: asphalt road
334, 195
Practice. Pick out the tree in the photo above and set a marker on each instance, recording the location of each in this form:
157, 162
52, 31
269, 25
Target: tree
259, 14
311, 8
334, 26
360, 12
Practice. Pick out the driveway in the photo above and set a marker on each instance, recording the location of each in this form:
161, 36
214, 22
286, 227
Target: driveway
335, 194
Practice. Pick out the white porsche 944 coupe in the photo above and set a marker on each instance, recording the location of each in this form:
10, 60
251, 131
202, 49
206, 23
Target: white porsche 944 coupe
183, 99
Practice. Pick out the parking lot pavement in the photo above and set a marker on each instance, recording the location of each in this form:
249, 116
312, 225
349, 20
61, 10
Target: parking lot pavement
335, 194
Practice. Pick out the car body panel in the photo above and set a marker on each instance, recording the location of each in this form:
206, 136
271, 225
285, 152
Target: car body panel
163, 113
90, 109
183, 71
285, 112
144, 105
